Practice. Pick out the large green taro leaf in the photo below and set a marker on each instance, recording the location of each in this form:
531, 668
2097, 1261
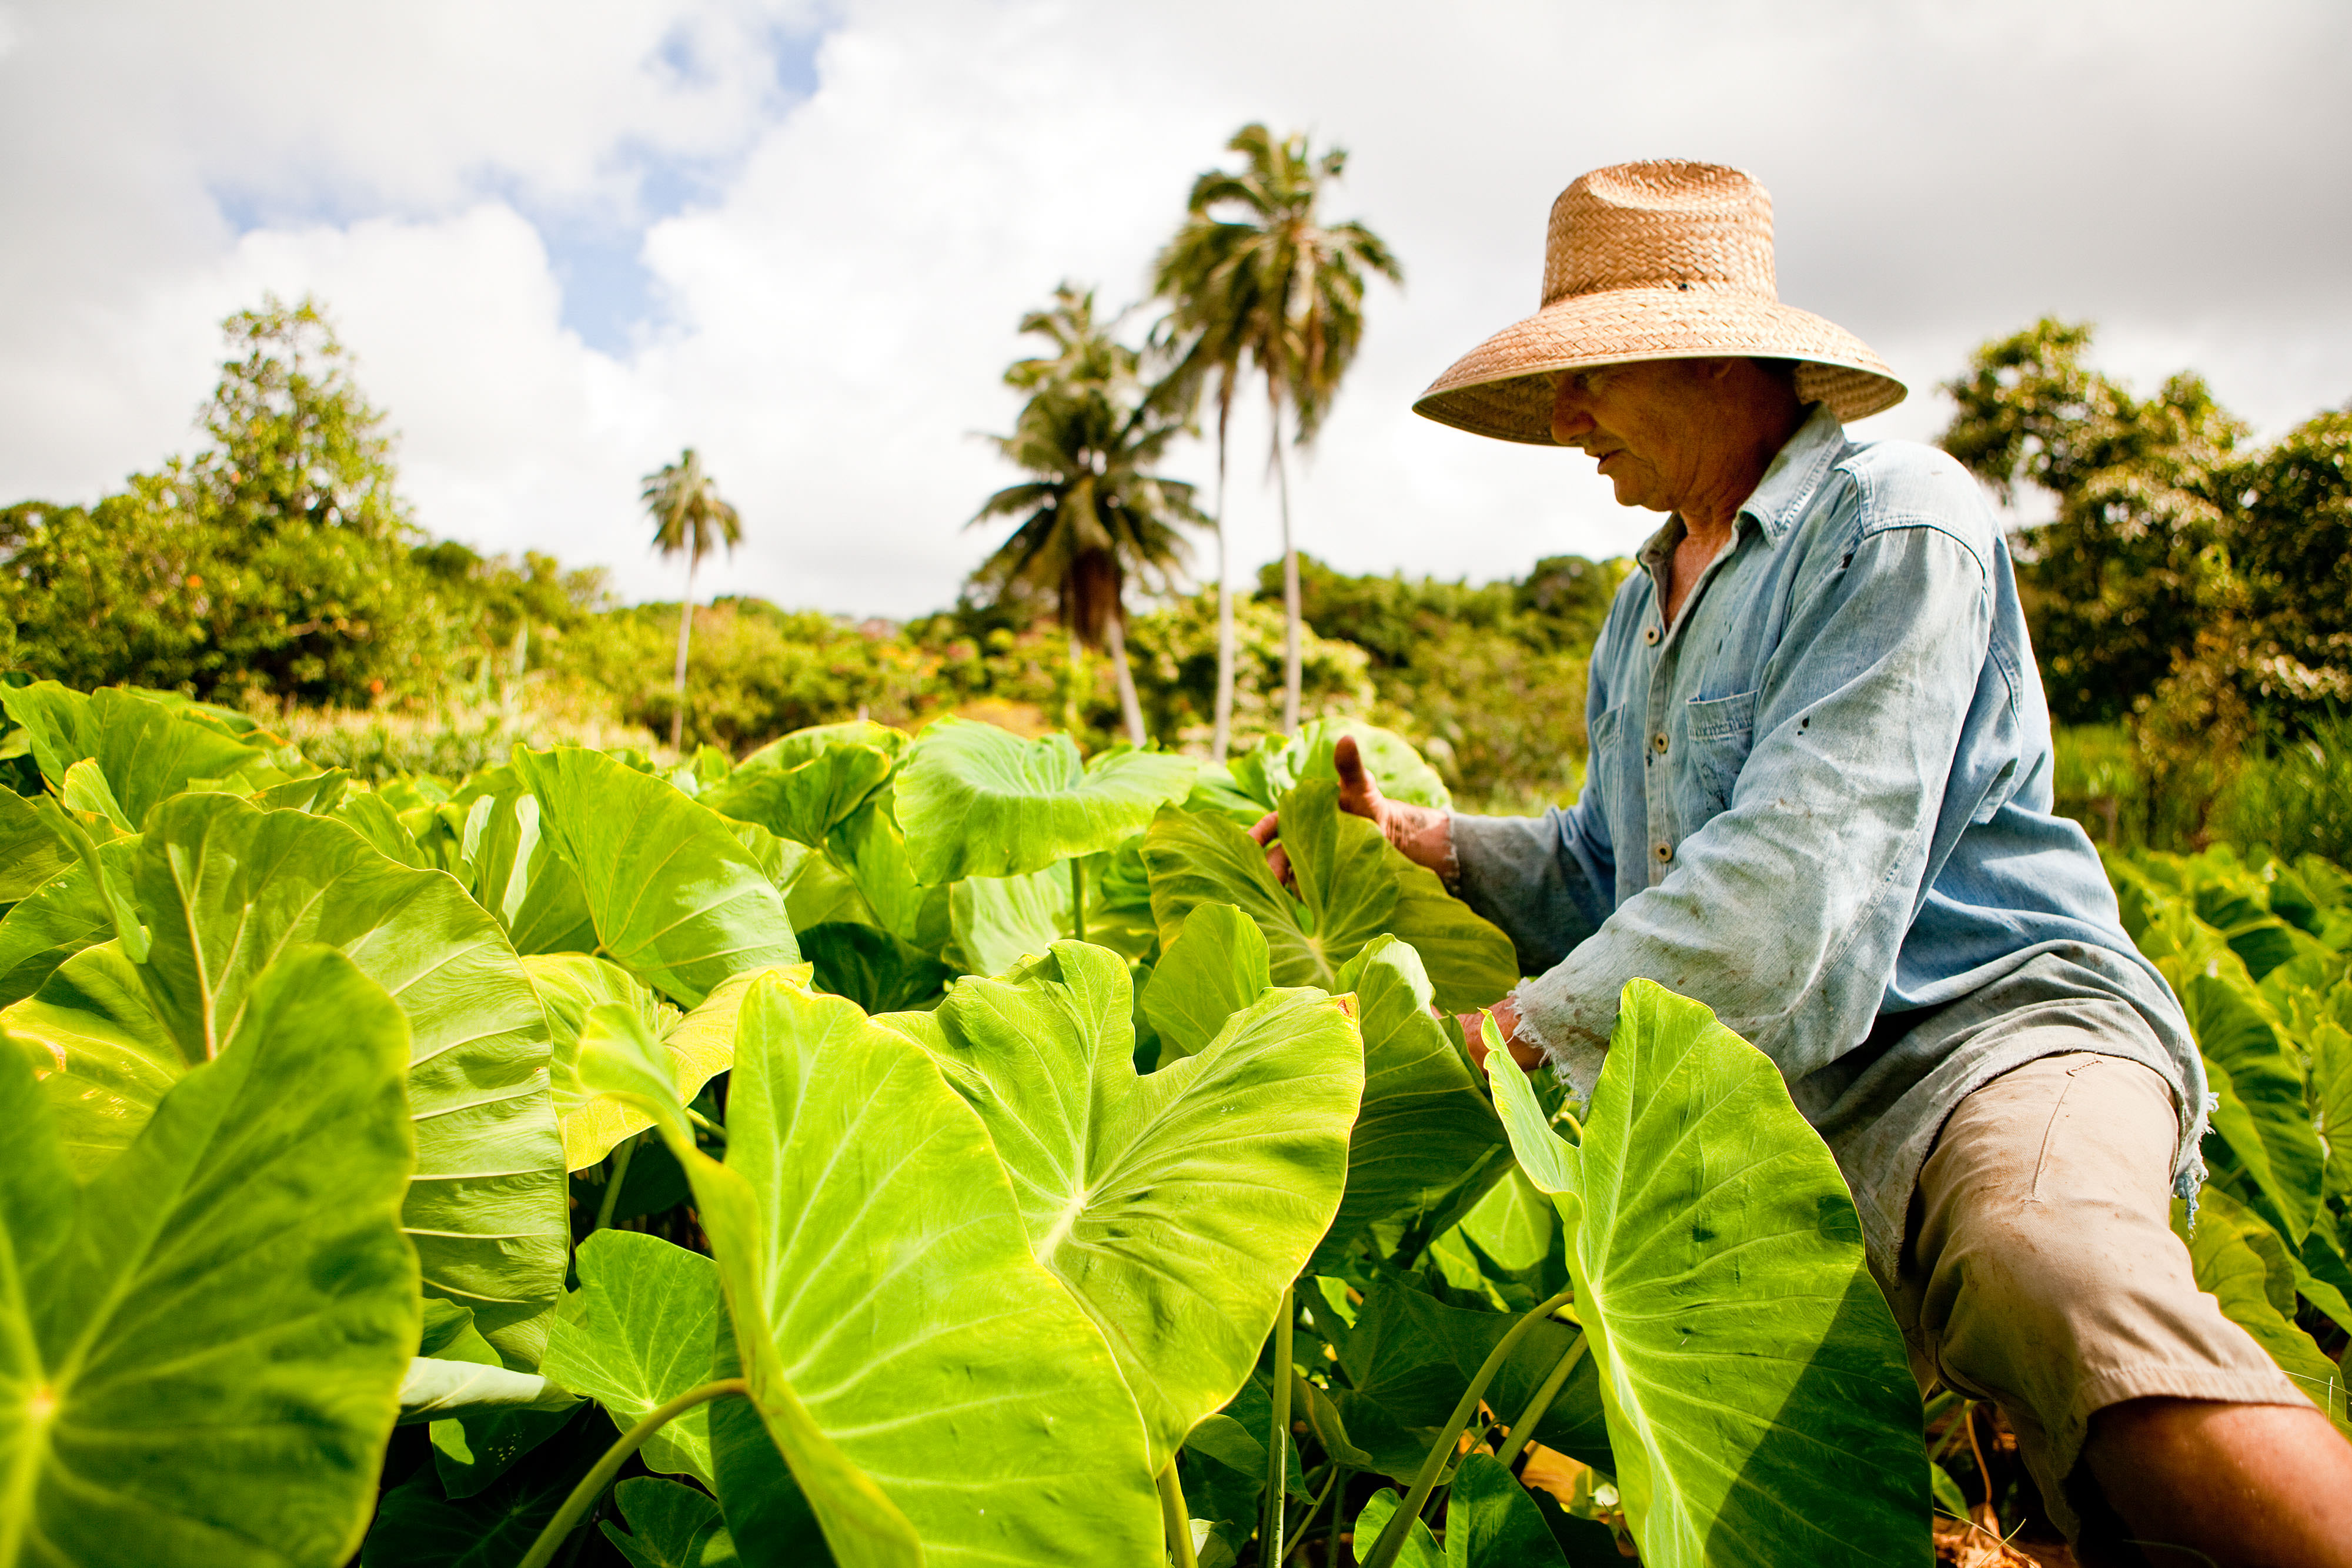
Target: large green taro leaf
2241, 1262
806, 801
998, 921
800, 744
1352, 886
1175, 1205
1215, 966
1267, 774
922, 1376
2261, 1139
1426, 1134
512, 870
146, 751
1492, 1522
698, 1045
225, 888
637, 1334
2331, 1092
30, 854
675, 898
1421, 1548
67, 913
1759, 1404
670, 1526
201, 1350
977, 801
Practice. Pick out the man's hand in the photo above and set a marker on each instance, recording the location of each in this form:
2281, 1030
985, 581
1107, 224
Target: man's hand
1421, 833
1506, 1022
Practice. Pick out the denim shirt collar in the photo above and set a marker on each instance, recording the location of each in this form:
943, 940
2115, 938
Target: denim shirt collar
1795, 477
1781, 498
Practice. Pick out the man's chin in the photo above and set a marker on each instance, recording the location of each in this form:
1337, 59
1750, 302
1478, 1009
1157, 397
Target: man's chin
1631, 494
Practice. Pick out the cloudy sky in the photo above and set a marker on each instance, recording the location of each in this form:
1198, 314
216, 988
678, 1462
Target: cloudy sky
567, 237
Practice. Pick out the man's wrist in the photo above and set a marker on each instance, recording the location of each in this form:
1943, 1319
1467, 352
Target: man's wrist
1424, 835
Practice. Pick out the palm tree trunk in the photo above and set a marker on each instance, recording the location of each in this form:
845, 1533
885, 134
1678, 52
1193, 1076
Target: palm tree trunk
1070, 690
685, 629
1129, 708
1289, 586
1223, 738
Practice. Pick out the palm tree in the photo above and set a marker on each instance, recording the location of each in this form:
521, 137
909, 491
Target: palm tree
1272, 283
1094, 515
687, 516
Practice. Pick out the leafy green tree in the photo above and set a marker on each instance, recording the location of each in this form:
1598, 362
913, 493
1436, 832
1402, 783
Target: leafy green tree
1255, 273
1094, 515
295, 440
277, 559
2281, 635
689, 515
2113, 583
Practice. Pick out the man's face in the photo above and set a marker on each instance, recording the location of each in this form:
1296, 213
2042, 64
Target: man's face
1647, 423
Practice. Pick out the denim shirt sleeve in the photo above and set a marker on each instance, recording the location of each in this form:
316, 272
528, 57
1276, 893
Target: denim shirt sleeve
1785, 910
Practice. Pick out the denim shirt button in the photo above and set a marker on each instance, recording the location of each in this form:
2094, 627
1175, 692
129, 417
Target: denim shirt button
1664, 851
1650, 634
1659, 740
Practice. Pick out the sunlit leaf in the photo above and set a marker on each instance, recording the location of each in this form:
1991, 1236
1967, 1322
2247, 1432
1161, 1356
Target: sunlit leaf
1719, 1276
1352, 886
697, 1045
1175, 1205
805, 802
977, 801
1425, 1130
1267, 774
2242, 1264
675, 898
201, 1349
637, 1334
145, 751
30, 854
997, 921
225, 888
2262, 1140
923, 1377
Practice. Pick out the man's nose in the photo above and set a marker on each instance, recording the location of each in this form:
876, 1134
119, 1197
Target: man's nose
1569, 422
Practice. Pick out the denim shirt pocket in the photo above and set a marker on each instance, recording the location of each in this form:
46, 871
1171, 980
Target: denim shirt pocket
1719, 732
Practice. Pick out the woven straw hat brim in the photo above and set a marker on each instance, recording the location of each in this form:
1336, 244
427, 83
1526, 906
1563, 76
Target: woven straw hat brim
1504, 387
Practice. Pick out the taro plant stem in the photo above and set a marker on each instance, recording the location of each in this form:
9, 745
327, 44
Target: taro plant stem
1336, 1480
1524, 1427
1393, 1538
1078, 897
1278, 1445
1174, 1517
613, 1180
592, 1485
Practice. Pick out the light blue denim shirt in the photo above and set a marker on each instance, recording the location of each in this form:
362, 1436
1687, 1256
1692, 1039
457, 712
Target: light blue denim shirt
1821, 801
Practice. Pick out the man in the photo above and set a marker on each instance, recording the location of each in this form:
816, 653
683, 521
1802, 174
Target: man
1819, 800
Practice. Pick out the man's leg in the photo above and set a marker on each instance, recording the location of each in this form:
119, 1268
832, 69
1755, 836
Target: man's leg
2210, 1477
2043, 1274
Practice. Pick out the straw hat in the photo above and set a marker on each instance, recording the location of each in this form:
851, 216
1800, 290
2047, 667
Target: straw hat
1664, 260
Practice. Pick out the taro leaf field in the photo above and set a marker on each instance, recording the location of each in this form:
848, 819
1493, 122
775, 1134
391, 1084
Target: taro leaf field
881, 1152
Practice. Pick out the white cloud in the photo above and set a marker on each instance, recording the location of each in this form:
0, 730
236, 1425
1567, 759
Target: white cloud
838, 306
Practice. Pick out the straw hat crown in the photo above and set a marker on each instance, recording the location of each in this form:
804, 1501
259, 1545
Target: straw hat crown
1666, 259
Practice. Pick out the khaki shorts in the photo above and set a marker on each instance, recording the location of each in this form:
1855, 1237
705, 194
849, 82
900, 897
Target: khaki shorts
2040, 1270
